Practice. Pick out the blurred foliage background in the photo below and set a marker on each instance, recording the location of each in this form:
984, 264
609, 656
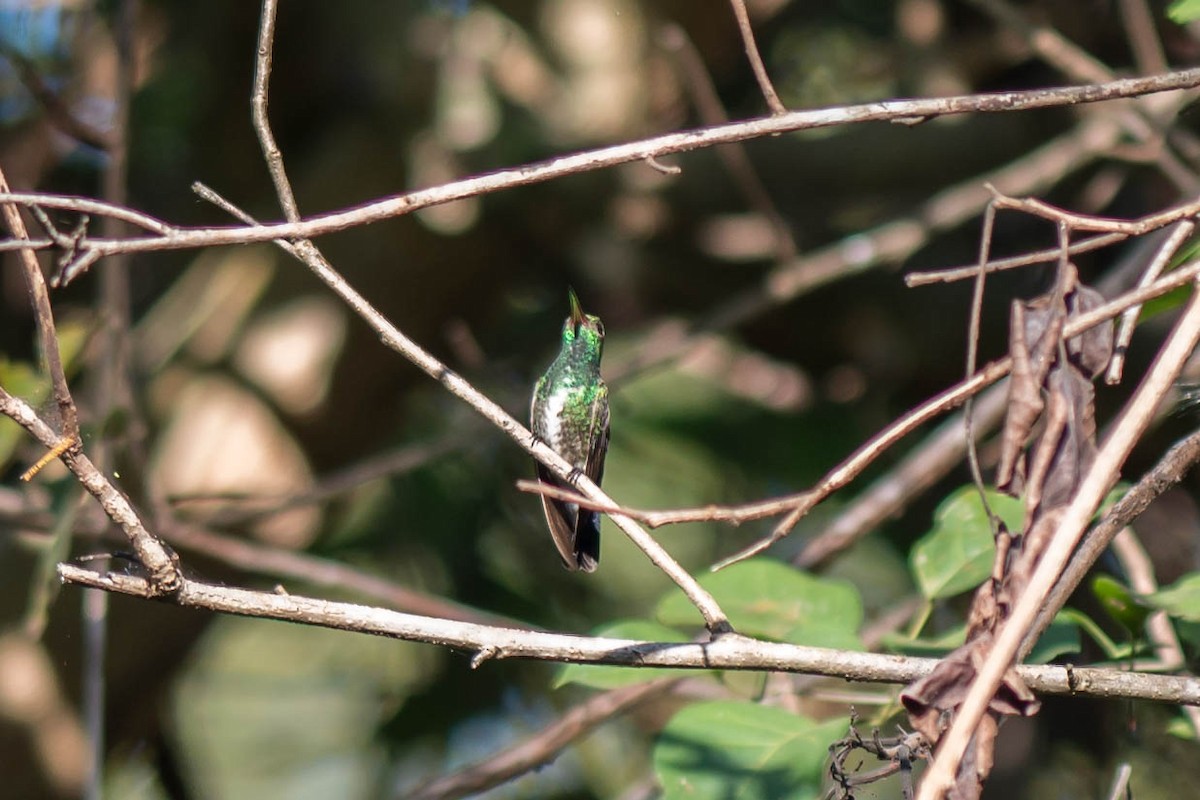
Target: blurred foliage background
251, 383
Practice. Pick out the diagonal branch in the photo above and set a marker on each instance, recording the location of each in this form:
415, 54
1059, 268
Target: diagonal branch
304, 250
161, 564
39, 298
393, 338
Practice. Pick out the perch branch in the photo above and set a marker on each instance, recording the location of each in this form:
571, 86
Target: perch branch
729, 652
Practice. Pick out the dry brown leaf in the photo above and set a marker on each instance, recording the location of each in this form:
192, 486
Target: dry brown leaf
1051, 387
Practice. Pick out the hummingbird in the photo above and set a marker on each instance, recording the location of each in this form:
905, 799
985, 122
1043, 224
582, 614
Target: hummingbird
570, 414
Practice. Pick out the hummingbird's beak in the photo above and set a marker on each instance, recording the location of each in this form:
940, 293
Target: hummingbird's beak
577, 317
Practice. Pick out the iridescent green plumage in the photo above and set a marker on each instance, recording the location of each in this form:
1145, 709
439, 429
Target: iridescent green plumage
570, 414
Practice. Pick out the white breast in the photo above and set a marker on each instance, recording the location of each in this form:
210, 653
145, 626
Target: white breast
553, 422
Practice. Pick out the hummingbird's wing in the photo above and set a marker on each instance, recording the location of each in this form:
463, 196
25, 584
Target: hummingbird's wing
587, 522
561, 518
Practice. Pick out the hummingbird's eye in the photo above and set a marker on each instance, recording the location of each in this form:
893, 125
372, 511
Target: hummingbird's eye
599, 327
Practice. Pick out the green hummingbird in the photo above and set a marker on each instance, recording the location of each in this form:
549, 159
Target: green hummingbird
570, 414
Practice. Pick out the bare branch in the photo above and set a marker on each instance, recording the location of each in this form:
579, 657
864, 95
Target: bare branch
305, 251
391, 336
914, 279
729, 651
186, 238
927, 463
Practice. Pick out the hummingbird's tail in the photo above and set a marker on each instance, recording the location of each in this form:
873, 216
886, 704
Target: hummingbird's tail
576, 531
587, 540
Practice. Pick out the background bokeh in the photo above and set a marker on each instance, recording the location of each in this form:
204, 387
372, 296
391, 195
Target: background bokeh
250, 380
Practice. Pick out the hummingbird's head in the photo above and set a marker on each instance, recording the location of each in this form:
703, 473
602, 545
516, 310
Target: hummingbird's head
582, 331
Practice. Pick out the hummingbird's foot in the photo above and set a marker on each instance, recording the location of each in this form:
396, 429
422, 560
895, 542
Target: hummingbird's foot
575, 474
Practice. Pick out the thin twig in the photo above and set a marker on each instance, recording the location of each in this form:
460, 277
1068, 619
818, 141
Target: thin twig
927, 463
39, 299
1090, 222
258, 107
1180, 232
1098, 480
756, 62
976, 313
86, 205
391, 337
703, 93
953, 274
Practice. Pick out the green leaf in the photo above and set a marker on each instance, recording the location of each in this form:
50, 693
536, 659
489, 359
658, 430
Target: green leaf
1112, 498
20, 380
1181, 599
606, 677
1119, 602
1060, 637
956, 554
742, 751
1112, 650
1164, 303
1182, 12
1180, 726
905, 644
45, 584
772, 600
